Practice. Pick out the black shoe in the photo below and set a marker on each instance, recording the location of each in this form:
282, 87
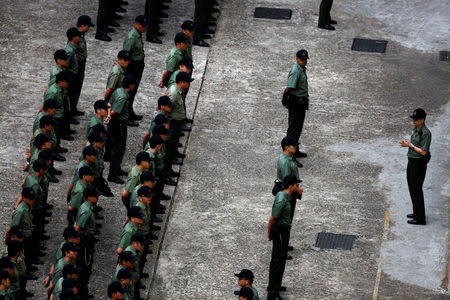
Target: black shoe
290, 248
40, 253
142, 286
47, 221
48, 214
170, 181
27, 294
96, 231
74, 121
160, 212
68, 138
282, 289
153, 39
181, 134
77, 113
98, 216
159, 33
333, 22
90, 296
209, 31
288, 257
37, 261
117, 180
300, 154
201, 43
53, 171
155, 227
48, 206
152, 236
113, 24
121, 10
71, 131
109, 29
163, 15
174, 174
122, 173
61, 149
411, 216
181, 155
299, 164
327, 27
177, 162
188, 121
166, 1
161, 206
98, 208
211, 24
98, 225
107, 193
135, 117
164, 197
180, 145
117, 17
205, 36
215, 3
44, 237
144, 275
163, 6
186, 129
416, 222
211, 18
59, 158
156, 220
31, 276
132, 123
52, 179
215, 10
123, 2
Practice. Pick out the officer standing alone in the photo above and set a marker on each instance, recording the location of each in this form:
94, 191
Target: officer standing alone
418, 157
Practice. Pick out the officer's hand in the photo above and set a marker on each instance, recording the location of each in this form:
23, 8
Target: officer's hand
107, 119
161, 84
46, 281
300, 190
404, 143
268, 236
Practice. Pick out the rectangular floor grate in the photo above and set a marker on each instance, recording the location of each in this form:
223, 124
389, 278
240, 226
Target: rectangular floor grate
444, 55
272, 13
326, 240
366, 45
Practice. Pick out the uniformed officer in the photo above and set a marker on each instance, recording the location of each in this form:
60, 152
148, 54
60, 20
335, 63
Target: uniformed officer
139, 248
5, 283
278, 232
57, 91
117, 128
152, 12
79, 193
201, 18
145, 198
70, 254
101, 112
297, 96
74, 38
14, 252
117, 73
61, 61
164, 108
126, 262
146, 179
116, 291
325, 20
418, 157
134, 45
104, 15
245, 279
246, 293
135, 220
187, 27
143, 161
89, 157
125, 277
68, 280
174, 57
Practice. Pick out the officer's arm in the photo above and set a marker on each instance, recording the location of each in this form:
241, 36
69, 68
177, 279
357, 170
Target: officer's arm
287, 91
165, 78
407, 143
269, 226
69, 192
119, 250
108, 94
18, 201
145, 140
125, 195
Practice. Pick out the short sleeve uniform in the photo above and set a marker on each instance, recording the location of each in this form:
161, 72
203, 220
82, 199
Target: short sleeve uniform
281, 209
115, 77
176, 96
298, 81
119, 104
420, 138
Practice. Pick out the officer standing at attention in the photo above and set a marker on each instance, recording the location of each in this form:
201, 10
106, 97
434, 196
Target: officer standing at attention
103, 16
117, 73
201, 18
296, 93
418, 157
174, 58
83, 25
61, 60
278, 232
117, 128
188, 29
74, 38
325, 20
245, 279
134, 45
152, 12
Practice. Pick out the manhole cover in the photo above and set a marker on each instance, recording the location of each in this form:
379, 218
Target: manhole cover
444, 55
326, 240
272, 13
366, 45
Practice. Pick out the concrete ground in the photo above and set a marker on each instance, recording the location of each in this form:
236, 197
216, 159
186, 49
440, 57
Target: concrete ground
354, 176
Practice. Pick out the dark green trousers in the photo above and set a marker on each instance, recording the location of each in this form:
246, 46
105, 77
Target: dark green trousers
296, 120
280, 240
117, 142
201, 13
415, 175
79, 85
324, 12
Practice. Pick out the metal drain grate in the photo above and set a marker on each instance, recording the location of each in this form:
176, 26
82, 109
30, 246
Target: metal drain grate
366, 45
444, 55
272, 13
326, 240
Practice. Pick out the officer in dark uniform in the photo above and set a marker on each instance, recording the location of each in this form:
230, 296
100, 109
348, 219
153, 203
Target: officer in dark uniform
418, 157
153, 13
102, 21
278, 232
325, 20
201, 17
296, 98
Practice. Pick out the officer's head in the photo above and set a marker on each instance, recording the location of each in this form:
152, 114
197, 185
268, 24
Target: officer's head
181, 41
28, 196
101, 108
91, 194
145, 195
70, 250
40, 167
138, 242
8, 265
135, 215
302, 57
86, 174
140, 23
245, 278
5, 279
160, 130
143, 159
96, 140
60, 57
245, 293
73, 35
147, 179
289, 145
162, 120
123, 58
100, 128
68, 294
84, 23
51, 106
90, 154
127, 259
156, 142
418, 117
115, 291
70, 271
72, 235
16, 233
165, 105
47, 123
124, 277
14, 248
186, 65
63, 79
47, 156
129, 82
70, 284
290, 182
187, 27
42, 142
183, 80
